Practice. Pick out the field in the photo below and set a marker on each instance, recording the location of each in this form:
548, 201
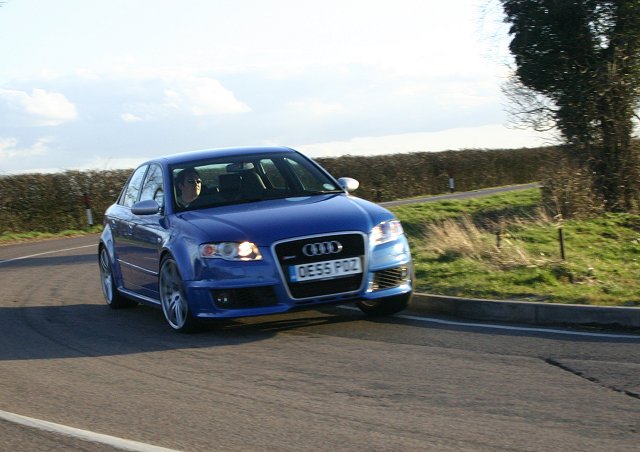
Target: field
504, 247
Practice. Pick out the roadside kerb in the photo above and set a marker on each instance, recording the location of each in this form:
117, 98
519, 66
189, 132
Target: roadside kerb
527, 312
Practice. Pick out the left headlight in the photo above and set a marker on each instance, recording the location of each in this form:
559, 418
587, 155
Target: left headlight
231, 251
387, 231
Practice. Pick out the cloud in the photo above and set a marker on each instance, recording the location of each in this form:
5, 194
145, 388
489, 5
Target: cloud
130, 117
40, 108
191, 95
9, 149
204, 96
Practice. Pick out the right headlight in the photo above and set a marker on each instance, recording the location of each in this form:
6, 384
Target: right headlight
231, 251
387, 231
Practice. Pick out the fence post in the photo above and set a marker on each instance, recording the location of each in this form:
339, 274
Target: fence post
561, 239
87, 206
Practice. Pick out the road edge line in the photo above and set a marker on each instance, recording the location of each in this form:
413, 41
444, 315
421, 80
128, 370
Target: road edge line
85, 435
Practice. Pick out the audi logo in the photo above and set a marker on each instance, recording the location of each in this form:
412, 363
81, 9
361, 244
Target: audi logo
320, 248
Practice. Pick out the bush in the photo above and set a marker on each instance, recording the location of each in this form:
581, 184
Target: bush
55, 202
568, 192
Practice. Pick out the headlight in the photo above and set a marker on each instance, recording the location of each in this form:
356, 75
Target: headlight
231, 251
387, 231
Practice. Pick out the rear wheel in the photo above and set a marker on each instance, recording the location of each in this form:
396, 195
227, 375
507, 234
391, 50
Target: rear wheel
172, 297
111, 295
385, 306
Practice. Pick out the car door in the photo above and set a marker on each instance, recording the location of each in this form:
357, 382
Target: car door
122, 223
146, 237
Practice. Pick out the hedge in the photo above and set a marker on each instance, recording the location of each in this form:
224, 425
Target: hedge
55, 202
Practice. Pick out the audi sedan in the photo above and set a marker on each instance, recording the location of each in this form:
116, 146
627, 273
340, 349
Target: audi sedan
241, 232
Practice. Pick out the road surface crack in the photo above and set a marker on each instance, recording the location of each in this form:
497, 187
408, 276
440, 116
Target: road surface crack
580, 374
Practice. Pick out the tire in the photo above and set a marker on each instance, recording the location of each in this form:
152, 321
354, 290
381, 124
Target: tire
385, 306
175, 306
114, 299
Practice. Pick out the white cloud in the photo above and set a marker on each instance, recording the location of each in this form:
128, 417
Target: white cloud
130, 117
9, 149
203, 96
191, 95
40, 108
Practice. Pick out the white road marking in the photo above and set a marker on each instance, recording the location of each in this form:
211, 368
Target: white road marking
507, 327
47, 252
84, 435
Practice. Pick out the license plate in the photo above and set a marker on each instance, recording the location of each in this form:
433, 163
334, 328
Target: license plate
325, 269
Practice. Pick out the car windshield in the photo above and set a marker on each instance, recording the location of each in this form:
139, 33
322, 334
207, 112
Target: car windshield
247, 178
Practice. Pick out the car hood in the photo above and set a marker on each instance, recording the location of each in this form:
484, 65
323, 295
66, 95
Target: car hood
265, 222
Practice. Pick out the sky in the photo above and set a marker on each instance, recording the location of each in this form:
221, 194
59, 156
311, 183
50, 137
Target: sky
88, 84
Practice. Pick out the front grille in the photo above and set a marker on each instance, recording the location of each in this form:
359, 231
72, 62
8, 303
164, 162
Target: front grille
252, 297
290, 253
391, 277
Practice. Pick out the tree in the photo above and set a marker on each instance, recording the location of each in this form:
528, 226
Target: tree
578, 66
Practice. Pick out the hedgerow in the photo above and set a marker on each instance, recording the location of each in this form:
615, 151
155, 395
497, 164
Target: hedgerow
56, 202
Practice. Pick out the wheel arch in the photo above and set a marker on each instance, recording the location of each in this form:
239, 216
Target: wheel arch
106, 243
184, 255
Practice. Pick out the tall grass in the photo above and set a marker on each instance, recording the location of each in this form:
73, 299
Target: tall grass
461, 238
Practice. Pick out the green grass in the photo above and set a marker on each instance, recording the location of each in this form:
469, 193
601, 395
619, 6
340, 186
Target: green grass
15, 237
454, 244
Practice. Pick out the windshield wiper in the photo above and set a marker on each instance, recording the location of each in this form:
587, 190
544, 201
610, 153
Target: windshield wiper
322, 192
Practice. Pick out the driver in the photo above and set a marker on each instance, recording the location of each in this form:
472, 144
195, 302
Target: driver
188, 187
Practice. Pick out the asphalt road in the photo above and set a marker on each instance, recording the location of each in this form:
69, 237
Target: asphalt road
314, 380
460, 195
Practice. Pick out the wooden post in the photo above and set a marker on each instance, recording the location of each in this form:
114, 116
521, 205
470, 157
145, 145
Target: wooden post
561, 238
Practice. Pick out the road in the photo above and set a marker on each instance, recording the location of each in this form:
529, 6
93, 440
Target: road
314, 380
460, 195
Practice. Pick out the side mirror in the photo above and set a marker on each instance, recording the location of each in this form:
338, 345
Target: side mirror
146, 207
348, 184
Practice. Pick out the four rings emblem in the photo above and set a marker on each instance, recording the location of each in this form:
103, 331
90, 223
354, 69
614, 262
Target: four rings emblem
320, 248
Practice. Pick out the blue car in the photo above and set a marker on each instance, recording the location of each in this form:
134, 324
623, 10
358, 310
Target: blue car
239, 232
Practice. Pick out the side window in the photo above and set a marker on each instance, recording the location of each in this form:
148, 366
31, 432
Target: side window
152, 187
133, 188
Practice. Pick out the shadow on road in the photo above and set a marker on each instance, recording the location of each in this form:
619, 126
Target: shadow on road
49, 261
81, 330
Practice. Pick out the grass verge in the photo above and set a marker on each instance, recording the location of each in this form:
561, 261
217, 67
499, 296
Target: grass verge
504, 247
17, 237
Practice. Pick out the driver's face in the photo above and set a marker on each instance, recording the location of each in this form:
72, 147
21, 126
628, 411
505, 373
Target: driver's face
191, 187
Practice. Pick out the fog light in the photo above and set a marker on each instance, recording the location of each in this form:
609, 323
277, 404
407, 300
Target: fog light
222, 298
373, 285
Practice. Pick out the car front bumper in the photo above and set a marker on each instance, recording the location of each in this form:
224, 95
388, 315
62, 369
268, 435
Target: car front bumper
244, 289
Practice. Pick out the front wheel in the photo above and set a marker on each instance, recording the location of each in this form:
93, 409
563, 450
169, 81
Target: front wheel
174, 302
385, 306
111, 295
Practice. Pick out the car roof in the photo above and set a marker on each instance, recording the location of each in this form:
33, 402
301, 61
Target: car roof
192, 156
